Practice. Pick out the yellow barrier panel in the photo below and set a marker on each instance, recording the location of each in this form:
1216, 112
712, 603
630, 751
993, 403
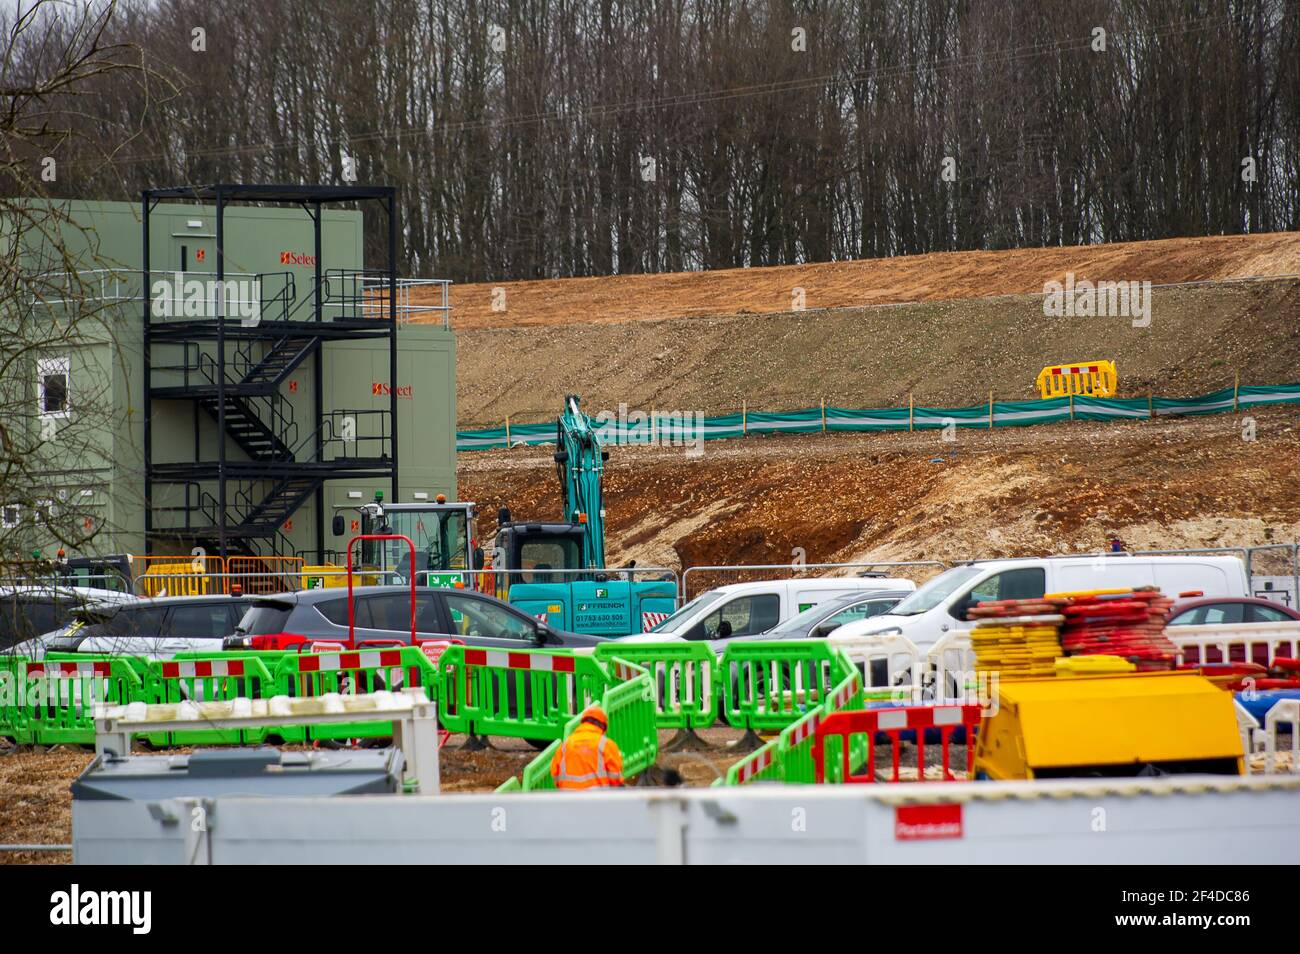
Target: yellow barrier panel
1091, 378
181, 577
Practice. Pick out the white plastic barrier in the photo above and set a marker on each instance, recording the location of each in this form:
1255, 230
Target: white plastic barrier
953, 662
1238, 641
1251, 738
903, 664
1284, 710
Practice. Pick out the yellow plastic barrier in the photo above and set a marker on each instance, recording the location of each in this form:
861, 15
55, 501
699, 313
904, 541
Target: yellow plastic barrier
1093, 665
1091, 378
181, 578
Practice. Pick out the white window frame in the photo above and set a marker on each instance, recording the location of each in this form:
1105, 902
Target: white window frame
4, 515
46, 367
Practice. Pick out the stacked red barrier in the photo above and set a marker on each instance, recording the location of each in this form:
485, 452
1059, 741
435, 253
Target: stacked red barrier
1130, 625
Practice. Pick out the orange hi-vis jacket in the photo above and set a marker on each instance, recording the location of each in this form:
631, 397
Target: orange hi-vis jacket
587, 759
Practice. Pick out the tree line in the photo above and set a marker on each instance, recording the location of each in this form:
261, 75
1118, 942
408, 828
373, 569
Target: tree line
550, 138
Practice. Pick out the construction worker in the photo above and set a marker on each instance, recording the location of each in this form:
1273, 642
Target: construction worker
588, 758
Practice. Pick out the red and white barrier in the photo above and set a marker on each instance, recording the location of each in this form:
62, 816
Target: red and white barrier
203, 669
69, 670
892, 723
756, 763
504, 659
365, 659
650, 620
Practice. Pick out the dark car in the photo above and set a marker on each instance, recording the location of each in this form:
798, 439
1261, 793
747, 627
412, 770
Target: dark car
156, 628
384, 613
1214, 610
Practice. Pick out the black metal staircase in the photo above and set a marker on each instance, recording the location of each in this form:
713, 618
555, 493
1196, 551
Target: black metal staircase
240, 490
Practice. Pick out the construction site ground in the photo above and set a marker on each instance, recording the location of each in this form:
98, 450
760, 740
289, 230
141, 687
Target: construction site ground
1216, 481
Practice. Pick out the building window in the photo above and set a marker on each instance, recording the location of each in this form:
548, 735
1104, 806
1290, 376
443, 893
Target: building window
10, 515
52, 379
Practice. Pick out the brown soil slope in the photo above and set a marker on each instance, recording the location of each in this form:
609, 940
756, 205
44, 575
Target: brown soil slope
1050, 489
943, 276
946, 354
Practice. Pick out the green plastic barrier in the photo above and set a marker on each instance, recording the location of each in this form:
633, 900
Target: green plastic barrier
684, 675
213, 677
59, 695
629, 701
529, 695
13, 721
788, 758
348, 673
766, 686
796, 740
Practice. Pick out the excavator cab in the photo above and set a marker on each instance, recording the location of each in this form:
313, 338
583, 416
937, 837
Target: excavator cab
446, 548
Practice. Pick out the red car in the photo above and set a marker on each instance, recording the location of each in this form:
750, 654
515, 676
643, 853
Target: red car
1210, 610
1227, 610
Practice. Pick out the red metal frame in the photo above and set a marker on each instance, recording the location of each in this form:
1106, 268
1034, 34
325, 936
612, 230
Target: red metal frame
410, 545
915, 718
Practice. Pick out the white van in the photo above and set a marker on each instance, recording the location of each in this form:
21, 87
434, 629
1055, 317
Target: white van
747, 609
940, 605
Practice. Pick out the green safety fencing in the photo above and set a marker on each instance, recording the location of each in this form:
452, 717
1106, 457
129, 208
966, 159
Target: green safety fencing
685, 677
666, 427
789, 757
530, 695
57, 700
765, 686
348, 673
54, 699
629, 701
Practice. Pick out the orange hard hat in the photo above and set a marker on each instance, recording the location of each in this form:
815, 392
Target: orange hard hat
596, 713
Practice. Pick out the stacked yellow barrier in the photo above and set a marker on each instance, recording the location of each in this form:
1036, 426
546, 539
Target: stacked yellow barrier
1017, 647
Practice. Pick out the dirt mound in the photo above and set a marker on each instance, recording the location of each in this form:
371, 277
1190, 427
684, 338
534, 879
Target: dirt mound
945, 354
943, 276
897, 496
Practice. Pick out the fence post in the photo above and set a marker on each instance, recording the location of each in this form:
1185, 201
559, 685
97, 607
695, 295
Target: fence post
911, 412
507, 432
1236, 388
823, 415
1151, 404
1072, 405
744, 418
654, 427
990, 410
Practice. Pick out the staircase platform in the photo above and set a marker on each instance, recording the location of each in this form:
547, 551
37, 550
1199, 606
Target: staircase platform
354, 468
180, 329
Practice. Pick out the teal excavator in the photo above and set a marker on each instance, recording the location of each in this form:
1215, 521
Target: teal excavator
529, 555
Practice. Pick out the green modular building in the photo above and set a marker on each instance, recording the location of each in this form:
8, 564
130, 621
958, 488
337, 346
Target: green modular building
231, 400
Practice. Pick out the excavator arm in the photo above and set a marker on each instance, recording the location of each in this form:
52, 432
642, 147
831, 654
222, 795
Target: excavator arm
580, 466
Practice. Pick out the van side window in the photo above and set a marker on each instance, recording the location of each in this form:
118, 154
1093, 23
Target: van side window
1026, 583
743, 616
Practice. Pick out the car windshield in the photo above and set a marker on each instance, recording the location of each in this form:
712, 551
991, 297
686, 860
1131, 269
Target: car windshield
817, 612
674, 622
936, 591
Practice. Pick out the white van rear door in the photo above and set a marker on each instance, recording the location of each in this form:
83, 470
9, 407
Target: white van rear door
1210, 578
